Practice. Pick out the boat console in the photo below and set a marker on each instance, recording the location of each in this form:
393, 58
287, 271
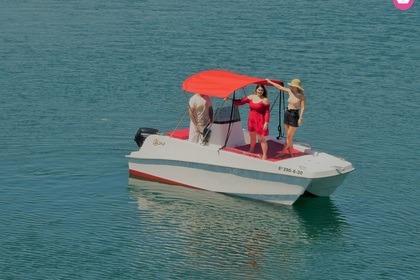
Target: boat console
227, 121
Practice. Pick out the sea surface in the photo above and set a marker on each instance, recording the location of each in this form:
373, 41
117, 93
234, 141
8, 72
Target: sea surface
78, 78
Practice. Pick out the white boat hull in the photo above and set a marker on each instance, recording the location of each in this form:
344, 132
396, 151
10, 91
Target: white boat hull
173, 161
325, 187
272, 188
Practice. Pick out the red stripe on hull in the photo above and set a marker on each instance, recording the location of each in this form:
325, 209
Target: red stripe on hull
147, 177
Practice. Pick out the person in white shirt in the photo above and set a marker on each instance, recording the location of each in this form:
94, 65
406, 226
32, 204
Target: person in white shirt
201, 115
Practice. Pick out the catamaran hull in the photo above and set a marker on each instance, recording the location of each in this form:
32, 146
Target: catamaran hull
272, 188
325, 187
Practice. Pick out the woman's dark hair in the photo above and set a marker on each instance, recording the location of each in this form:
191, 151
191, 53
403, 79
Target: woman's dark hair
265, 93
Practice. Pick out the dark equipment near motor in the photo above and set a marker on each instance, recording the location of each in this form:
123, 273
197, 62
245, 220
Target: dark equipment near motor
142, 134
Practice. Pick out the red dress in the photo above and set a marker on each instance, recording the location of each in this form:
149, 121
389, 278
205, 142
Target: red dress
259, 114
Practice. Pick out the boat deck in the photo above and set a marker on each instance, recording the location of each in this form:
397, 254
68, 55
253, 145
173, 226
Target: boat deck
273, 147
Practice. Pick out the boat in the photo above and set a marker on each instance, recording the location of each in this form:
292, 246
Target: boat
223, 164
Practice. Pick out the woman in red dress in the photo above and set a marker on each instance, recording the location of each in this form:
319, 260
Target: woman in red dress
259, 117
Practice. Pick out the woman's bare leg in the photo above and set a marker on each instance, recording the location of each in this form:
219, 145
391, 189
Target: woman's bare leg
253, 137
290, 133
264, 146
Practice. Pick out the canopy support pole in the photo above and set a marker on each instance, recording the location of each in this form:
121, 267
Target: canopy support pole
230, 123
279, 127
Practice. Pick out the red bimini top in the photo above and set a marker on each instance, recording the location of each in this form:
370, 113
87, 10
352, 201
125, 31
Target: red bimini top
220, 83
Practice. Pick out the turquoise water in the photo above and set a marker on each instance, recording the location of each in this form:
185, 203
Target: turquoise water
79, 77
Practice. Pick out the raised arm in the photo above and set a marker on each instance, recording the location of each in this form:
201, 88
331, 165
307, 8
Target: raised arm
239, 102
280, 87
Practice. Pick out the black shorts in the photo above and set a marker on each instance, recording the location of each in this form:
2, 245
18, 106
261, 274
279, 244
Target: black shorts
291, 117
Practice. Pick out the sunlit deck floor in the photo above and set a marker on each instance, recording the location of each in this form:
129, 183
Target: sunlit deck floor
273, 148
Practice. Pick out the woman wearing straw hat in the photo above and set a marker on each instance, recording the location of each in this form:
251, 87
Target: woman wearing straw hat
292, 117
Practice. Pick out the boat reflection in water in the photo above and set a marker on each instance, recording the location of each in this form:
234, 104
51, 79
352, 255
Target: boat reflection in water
212, 229
320, 217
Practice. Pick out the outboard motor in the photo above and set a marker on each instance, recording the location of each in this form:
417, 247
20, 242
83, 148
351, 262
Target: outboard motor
142, 134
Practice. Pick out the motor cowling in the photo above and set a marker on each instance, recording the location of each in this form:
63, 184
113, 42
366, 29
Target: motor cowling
142, 134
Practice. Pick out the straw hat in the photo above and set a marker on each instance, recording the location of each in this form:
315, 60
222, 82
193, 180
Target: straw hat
296, 83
